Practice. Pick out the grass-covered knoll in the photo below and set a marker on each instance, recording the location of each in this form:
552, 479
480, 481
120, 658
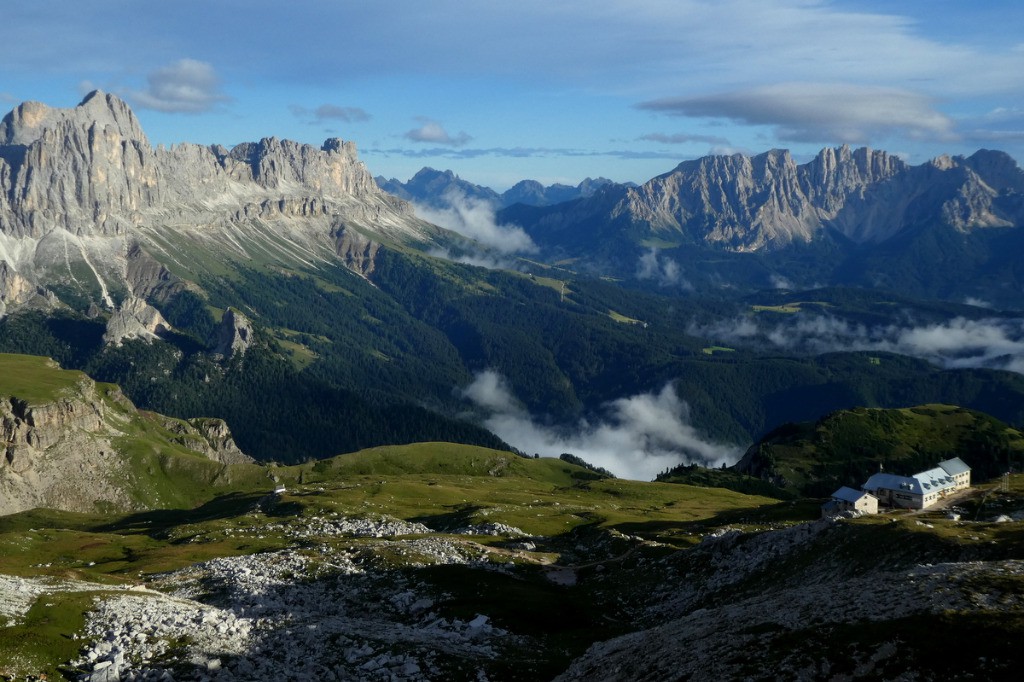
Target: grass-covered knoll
845, 447
134, 459
694, 474
163, 468
448, 486
35, 379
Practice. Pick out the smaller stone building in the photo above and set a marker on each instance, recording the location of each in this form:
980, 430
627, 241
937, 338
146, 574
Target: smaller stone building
848, 499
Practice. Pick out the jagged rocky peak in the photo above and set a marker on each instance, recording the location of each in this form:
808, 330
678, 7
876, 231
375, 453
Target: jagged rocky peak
28, 121
87, 170
234, 335
766, 201
331, 169
841, 167
998, 169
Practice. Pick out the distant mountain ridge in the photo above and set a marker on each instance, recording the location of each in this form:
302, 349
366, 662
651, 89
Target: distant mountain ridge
859, 217
744, 204
431, 187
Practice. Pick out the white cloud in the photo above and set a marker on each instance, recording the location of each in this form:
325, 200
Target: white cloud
330, 112
637, 437
663, 270
186, 86
819, 112
433, 132
476, 219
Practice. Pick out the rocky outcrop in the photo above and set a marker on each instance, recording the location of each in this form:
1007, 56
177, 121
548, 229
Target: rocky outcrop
82, 191
17, 291
135, 319
234, 335
53, 451
357, 252
26, 430
86, 170
63, 447
209, 436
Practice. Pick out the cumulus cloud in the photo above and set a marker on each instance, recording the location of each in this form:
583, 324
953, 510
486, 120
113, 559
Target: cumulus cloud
433, 132
476, 219
663, 270
637, 437
330, 112
819, 112
186, 86
994, 343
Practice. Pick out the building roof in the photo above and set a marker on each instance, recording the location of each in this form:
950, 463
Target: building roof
924, 483
848, 494
934, 480
884, 481
954, 466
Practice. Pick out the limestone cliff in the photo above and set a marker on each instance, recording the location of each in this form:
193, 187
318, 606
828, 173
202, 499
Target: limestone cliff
87, 202
207, 435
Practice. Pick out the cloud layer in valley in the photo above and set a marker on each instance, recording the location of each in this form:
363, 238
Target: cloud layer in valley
476, 219
636, 437
663, 270
995, 343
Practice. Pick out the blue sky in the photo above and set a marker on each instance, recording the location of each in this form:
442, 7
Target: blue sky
556, 91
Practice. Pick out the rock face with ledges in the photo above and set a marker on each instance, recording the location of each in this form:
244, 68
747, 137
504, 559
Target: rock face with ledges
87, 170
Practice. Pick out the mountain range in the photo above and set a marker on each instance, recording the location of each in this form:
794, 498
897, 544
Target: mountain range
203, 279
86, 205
847, 217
